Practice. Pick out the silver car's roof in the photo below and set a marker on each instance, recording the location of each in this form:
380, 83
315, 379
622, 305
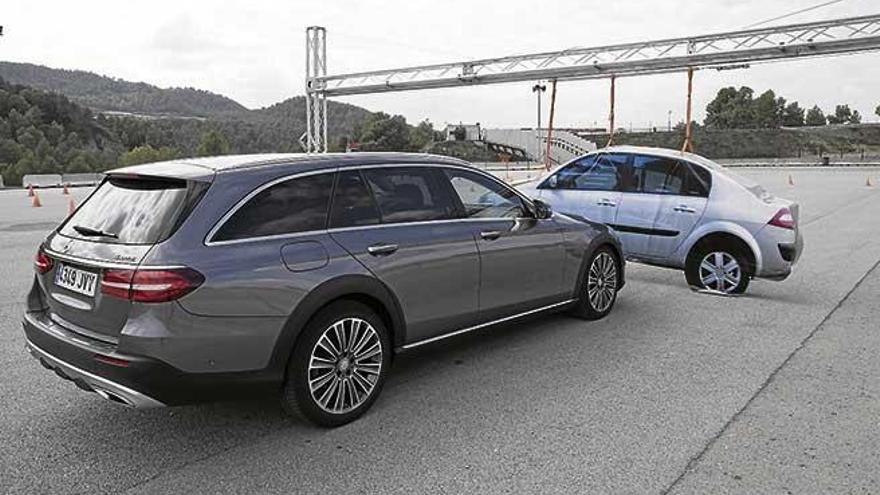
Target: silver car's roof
666, 152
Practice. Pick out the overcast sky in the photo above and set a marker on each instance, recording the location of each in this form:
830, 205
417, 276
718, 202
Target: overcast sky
253, 51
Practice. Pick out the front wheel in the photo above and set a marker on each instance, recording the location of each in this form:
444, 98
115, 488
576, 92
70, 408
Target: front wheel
598, 291
338, 366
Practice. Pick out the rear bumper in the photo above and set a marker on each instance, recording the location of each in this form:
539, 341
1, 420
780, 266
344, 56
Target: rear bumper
91, 382
143, 382
780, 251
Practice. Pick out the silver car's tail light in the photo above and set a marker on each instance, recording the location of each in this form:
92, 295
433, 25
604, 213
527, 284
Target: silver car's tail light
783, 218
151, 285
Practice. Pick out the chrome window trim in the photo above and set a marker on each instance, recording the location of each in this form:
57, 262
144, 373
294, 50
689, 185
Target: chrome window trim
219, 223
418, 343
208, 241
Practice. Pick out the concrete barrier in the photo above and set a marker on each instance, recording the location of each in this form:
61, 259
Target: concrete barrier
41, 180
81, 179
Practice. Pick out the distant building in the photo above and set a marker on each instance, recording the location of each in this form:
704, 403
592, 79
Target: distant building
468, 132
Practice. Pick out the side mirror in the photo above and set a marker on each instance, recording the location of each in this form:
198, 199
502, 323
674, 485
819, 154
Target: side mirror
542, 209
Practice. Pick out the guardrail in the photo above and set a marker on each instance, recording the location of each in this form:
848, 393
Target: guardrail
59, 180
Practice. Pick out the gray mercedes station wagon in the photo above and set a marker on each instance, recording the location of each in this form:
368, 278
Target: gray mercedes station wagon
297, 275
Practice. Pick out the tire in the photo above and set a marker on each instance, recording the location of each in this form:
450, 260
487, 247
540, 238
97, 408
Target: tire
598, 290
730, 261
347, 373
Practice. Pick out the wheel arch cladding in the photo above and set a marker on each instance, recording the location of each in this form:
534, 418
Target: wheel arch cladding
361, 288
727, 238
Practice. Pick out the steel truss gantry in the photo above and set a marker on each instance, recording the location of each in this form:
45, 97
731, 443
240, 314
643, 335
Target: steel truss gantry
723, 50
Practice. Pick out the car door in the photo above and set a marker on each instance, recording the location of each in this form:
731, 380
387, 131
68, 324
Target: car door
521, 257
587, 187
639, 204
400, 222
681, 207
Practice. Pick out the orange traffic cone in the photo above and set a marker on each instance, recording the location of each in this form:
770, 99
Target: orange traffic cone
30, 191
868, 182
71, 206
790, 180
36, 201
65, 191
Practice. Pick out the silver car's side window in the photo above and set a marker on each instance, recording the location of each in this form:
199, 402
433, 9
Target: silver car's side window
657, 175
590, 173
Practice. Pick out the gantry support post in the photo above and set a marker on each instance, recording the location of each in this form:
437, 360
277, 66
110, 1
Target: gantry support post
611, 113
316, 100
688, 144
547, 159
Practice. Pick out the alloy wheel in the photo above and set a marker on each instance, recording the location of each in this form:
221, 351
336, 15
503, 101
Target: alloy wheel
345, 365
602, 282
720, 271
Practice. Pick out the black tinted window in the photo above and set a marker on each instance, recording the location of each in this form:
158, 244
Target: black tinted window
657, 175
483, 197
591, 173
409, 194
297, 205
352, 203
131, 211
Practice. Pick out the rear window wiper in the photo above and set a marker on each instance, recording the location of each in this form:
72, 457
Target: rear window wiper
90, 232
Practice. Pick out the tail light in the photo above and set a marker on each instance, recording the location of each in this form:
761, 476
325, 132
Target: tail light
42, 262
150, 285
782, 218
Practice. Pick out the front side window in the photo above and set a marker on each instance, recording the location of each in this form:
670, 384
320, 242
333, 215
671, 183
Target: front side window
657, 175
297, 205
590, 173
409, 194
482, 197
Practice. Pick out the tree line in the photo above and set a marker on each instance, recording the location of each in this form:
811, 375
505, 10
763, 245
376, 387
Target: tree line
734, 108
44, 132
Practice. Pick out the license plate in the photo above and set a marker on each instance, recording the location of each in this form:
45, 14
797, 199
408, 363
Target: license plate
76, 280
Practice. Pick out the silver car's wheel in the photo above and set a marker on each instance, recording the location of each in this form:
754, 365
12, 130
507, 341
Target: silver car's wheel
720, 270
345, 365
602, 282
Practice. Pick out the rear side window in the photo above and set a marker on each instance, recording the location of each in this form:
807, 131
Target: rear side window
657, 175
410, 194
699, 181
296, 205
352, 203
133, 210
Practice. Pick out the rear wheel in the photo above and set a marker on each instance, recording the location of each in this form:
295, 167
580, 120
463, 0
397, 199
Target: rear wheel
338, 366
718, 267
598, 292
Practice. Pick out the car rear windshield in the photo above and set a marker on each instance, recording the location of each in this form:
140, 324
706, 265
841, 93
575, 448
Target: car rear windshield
132, 210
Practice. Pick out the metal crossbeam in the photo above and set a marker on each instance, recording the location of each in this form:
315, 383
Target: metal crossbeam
834, 37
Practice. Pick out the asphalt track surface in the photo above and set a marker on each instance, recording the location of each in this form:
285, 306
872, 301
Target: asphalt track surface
674, 392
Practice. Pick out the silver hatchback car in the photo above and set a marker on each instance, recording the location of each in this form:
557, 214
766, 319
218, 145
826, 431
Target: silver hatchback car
297, 275
680, 210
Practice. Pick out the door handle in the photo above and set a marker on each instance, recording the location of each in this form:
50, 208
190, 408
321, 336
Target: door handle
606, 202
684, 209
382, 249
490, 235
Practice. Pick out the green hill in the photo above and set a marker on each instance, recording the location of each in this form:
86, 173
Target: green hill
102, 93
